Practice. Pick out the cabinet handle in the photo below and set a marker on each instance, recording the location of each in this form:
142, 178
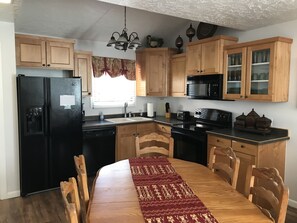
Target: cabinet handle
201, 71
242, 146
218, 140
48, 65
43, 65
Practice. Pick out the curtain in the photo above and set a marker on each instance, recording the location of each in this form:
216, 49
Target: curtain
114, 67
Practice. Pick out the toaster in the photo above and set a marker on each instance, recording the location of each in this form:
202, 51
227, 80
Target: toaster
183, 115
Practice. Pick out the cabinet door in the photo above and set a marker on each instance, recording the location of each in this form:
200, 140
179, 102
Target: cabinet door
210, 58
82, 61
234, 73
259, 75
60, 55
140, 74
193, 57
30, 52
157, 78
178, 77
125, 141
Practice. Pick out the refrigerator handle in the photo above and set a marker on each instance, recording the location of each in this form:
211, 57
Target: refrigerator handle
45, 121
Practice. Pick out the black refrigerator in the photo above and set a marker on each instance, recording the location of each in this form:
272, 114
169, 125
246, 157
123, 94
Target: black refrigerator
50, 130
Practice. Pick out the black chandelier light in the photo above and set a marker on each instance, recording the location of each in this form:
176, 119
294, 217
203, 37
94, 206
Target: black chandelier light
123, 41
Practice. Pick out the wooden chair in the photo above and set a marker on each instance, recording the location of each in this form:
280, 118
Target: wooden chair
269, 193
149, 144
82, 179
71, 200
228, 170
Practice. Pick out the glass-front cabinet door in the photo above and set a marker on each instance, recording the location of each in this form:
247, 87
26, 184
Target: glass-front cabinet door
259, 68
235, 73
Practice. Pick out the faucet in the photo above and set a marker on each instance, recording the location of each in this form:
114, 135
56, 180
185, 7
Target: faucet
125, 109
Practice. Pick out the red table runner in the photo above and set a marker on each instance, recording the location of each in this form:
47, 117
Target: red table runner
163, 195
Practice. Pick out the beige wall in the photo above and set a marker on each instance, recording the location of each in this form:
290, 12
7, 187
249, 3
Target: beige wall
9, 163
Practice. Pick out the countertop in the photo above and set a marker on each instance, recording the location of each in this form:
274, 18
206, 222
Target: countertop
275, 135
96, 124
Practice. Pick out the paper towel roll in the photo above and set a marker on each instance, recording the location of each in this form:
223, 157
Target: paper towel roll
150, 110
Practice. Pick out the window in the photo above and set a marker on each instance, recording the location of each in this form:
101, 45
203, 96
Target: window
113, 92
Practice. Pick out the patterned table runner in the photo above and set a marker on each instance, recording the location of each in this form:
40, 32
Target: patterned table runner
163, 195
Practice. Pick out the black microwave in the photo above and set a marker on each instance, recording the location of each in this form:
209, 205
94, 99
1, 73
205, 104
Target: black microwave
205, 86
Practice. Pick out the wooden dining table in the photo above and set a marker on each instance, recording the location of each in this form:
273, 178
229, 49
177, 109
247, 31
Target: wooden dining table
114, 197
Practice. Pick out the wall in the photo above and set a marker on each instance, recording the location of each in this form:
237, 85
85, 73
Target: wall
9, 160
283, 114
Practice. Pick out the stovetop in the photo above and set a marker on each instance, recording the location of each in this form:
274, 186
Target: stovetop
206, 119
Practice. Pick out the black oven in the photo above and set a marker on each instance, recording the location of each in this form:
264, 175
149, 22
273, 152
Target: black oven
190, 146
190, 138
205, 86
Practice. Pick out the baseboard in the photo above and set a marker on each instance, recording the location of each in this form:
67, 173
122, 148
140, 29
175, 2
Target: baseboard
292, 203
12, 194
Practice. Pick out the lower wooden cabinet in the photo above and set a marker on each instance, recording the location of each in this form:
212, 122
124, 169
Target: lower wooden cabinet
262, 155
163, 129
125, 138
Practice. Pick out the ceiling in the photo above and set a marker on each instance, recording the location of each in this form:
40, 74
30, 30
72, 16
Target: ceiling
96, 20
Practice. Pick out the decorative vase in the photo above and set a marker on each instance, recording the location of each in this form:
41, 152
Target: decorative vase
179, 43
190, 32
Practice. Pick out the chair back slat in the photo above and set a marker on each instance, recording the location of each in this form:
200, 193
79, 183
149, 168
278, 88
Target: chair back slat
227, 170
265, 188
82, 179
71, 201
154, 147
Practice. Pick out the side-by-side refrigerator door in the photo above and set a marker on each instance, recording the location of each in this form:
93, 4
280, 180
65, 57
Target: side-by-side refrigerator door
32, 134
65, 127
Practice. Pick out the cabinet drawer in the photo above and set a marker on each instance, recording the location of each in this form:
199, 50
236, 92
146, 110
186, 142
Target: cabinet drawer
218, 141
244, 147
163, 128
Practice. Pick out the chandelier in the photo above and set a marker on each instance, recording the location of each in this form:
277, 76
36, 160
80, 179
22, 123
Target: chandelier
123, 41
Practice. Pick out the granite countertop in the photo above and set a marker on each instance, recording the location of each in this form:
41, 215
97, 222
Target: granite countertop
96, 124
275, 135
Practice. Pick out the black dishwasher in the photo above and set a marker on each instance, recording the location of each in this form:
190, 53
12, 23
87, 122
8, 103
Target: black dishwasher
98, 148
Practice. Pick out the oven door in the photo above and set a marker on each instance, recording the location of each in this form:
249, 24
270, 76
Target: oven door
190, 145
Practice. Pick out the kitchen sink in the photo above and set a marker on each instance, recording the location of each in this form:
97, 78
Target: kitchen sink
127, 120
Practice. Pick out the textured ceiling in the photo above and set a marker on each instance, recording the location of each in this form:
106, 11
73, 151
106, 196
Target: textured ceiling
236, 14
96, 20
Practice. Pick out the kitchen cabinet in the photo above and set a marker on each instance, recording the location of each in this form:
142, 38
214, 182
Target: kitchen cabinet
152, 71
258, 70
83, 69
178, 77
262, 155
44, 52
206, 56
125, 138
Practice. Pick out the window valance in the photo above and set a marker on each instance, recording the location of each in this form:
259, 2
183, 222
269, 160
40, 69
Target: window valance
114, 67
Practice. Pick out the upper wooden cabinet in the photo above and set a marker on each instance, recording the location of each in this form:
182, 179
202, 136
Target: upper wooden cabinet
258, 70
83, 69
152, 71
178, 75
43, 52
206, 56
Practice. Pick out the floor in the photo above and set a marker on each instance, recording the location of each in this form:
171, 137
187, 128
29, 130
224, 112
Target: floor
47, 207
